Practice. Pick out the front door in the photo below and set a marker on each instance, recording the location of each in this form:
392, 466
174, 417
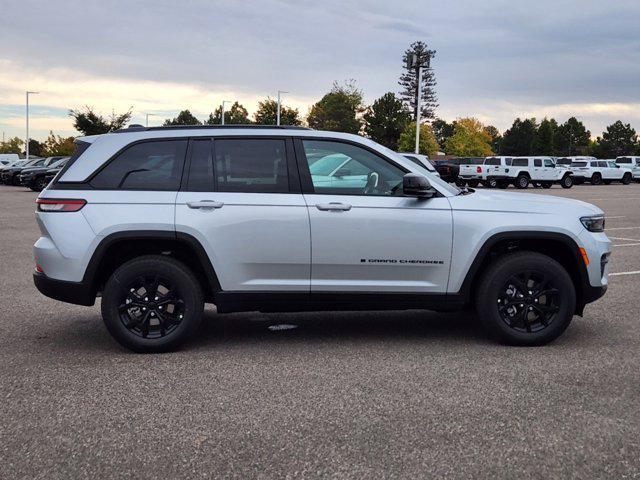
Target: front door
365, 235
248, 213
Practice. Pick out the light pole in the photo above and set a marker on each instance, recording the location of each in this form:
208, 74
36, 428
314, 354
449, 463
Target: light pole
147, 118
278, 111
27, 145
222, 116
414, 62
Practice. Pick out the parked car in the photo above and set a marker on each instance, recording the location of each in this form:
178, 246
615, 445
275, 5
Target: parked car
526, 170
8, 158
630, 163
598, 172
489, 165
160, 220
35, 178
10, 176
470, 172
422, 161
448, 169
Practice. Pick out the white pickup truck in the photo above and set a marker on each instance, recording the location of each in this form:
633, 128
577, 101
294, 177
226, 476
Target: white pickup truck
525, 170
630, 163
471, 171
598, 172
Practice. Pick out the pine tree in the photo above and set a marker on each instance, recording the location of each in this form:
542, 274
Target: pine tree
409, 82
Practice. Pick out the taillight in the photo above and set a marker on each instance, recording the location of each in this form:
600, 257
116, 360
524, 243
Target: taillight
59, 204
478, 169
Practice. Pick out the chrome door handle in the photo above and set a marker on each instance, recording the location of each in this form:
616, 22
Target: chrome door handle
205, 204
334, 207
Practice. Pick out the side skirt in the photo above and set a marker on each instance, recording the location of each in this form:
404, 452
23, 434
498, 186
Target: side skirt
227, 302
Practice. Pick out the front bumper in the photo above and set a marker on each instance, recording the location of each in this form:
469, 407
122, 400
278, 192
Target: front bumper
77, 293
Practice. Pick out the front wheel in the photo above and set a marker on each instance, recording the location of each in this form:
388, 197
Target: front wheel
526, 298
626, 179
152, 304
566, 182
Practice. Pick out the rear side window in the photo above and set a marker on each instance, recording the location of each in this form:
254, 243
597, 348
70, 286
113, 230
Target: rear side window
251, 165
602, 164
153, 165
537, 162
594, 164
201, 169
520, 162
579, 164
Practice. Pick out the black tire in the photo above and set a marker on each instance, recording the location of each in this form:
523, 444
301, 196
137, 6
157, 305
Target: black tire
176, 289
566, 181
522, 181
474, 183
528, 324
39, 184
491, 183
15, 180
546, 185
596, 179
626, 178
503, 184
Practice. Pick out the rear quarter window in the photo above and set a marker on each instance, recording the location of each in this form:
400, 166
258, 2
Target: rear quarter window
155, 165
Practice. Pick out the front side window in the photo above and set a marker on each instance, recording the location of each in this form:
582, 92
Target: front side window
251, 165
343, 169
548, 163
155, 165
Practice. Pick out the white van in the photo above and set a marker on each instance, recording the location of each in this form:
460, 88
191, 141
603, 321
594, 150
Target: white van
7, 159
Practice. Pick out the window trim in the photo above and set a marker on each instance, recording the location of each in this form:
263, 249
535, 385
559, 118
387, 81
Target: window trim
132, 144
305, 174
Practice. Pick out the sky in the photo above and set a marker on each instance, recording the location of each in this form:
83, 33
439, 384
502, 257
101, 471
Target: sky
496, 60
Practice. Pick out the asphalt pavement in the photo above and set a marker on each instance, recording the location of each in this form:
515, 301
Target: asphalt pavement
334, 395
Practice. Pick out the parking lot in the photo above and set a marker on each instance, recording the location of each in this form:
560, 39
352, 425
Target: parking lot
350, 395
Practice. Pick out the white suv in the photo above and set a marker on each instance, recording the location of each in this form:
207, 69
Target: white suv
630, 163
159, 221
521, 171
598, 172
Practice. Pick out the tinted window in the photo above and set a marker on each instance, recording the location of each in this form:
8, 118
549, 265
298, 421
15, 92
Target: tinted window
579, 164
549, 163
594, 164
563, 161
623, 160
251, 165
201, 169
492, 161
537, 162
145, 166
602, 164
339, 168
520, 162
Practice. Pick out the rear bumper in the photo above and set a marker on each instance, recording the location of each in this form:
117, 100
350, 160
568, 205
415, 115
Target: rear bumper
70, 292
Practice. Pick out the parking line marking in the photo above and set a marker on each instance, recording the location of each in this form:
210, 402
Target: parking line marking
627, 239
623, 228
616, 216
627, 245
635, 272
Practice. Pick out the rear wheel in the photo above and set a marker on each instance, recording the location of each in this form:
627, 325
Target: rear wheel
522, 181
152, 304
596, 179
491, 183
526, 298
567, 181
626, 178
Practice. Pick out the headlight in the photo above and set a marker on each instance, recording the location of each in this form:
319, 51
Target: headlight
594, 223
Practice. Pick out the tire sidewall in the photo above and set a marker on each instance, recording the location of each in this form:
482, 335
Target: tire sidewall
522, 181
181, 278
495, 279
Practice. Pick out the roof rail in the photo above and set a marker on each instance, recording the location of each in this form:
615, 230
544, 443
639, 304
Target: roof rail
140, 128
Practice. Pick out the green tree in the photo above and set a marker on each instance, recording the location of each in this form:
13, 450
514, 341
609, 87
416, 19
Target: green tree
618, 139
409, 82
442, 130
13, 145
36, 149
428, 144
518, 140
267, 114
184, 118
385, 120
494, 133
55, 145
572, 138
88, 122
544, 141
470, 139
236, 115
338, 110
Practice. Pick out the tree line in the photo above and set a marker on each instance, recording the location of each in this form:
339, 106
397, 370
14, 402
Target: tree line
389, 120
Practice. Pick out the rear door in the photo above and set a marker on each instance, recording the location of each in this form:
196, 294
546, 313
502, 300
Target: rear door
368, 237
242, 201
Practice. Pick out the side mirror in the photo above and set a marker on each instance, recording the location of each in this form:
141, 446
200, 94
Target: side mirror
414, 185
